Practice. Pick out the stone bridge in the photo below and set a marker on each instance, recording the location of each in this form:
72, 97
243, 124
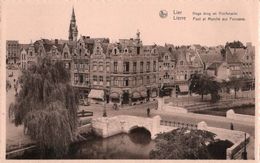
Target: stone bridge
109, 126
106, 127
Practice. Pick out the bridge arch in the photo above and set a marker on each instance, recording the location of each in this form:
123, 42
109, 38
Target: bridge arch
140, 135
136, 127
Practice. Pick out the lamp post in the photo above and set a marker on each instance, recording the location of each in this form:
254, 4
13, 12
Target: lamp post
244, 153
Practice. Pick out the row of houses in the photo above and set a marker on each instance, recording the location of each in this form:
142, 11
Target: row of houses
128, 72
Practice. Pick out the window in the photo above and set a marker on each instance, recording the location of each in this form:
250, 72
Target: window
247, 57
86, 66
81, 78
154, 79
94, 78
115, 67
126, 67
94, 67
134, 81
75, 66
80, 52
116, 81
148, 67
154, 66
31, 53
67, 65
108, 80
138, 50
107, 68
134, 67
148, 80
141, 67
125, 83
126, 51
185, 77
81, 66
66, 55
101, 79
75, 78
166, 76
98, 50
166, 57
141, 80
115, 51
86, 80
181, 62
101, 68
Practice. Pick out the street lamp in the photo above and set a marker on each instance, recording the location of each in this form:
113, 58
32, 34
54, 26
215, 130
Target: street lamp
244, 153
105, 111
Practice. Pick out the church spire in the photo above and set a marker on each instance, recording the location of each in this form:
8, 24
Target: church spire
73, 29
73, 17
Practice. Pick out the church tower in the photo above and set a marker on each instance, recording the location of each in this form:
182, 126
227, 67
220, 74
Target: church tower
73, 30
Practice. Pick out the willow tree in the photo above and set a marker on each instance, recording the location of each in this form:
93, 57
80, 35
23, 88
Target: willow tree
47, 106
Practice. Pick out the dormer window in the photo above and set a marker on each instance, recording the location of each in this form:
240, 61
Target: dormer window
66, 55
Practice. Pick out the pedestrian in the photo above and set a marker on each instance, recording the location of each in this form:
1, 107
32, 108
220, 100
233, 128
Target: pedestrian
148, 112
231, 126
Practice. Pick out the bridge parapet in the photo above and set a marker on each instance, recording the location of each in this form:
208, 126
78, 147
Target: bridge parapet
109, 126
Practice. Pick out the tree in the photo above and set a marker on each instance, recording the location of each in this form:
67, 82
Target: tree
235, 44
236, 83
182, 144
203, 84
47, 106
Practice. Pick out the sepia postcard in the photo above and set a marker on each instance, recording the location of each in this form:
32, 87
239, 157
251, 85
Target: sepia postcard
125, 80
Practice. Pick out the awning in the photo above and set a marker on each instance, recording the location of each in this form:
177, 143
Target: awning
184, 88
144, 94
114, 95
136, 95
94, 93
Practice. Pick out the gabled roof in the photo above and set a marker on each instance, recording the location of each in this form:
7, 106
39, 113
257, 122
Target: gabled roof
211, 56
215, 65
162, 50
232, 57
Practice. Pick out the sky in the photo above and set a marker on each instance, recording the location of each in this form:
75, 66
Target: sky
25, 20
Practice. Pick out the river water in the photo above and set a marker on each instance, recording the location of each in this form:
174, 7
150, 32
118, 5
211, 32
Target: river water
135, 145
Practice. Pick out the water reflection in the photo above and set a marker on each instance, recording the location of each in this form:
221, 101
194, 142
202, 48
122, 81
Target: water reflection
135, 145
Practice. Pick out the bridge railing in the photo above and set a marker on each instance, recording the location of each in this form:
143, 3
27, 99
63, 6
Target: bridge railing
178, 124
